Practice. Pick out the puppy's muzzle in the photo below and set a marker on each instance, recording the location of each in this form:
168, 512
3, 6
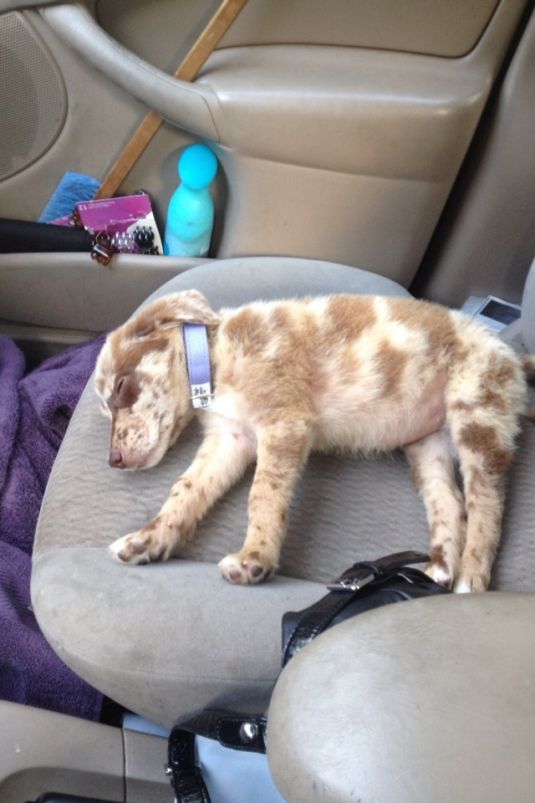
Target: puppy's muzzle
116, 459
126, 459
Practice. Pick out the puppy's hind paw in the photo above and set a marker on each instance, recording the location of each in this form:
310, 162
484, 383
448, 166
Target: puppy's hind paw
137, 548
474, 575
245, 568
469, 584
443, 566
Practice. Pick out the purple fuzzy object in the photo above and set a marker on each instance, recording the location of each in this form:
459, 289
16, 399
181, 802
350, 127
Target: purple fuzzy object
34, 413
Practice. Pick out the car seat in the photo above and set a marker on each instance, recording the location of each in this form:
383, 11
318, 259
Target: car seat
168, 639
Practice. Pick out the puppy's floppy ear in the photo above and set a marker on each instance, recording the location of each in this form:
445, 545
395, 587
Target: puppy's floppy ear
188, 306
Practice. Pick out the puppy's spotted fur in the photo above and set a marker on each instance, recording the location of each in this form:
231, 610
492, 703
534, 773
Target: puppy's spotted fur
357, 373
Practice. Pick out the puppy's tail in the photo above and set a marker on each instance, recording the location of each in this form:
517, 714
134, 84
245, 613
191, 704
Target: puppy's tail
528, 364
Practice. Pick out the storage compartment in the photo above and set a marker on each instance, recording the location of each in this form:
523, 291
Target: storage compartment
41, 751
72, 297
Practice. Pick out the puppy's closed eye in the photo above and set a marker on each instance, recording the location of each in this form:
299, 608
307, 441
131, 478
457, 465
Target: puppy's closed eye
154, 328
143, 333
119, 386
126, 390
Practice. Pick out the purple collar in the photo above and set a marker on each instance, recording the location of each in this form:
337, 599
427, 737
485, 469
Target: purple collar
198, 362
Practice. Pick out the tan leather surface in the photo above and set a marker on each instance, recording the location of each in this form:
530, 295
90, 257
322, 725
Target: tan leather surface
43, 750
110, 294
418, 26
487, 236
376, 136
175, 100
13, 5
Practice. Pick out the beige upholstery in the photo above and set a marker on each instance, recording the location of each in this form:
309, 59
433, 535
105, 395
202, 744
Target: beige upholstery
429, 701
335, 111
167, 639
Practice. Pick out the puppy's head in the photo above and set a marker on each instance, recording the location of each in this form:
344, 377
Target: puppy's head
141, 378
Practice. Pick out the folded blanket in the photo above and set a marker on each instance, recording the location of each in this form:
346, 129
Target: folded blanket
34, 414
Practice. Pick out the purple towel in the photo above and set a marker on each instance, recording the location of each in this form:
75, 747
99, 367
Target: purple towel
34, 414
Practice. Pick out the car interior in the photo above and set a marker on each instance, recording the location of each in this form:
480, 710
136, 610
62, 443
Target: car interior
363, 146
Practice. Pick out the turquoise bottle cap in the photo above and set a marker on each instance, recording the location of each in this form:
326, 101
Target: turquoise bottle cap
197, 166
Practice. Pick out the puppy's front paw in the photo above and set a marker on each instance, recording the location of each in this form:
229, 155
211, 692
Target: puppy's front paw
140, 547
157, 541
246, 567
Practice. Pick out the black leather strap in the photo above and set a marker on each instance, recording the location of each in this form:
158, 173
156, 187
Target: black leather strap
230, 728
313, 621
366, 571
316, 618
186, 777
24, 236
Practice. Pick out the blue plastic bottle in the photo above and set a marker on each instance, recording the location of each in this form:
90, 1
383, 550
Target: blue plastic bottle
190, 214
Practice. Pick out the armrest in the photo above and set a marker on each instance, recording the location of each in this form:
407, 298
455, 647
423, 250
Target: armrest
182, 103
418, 701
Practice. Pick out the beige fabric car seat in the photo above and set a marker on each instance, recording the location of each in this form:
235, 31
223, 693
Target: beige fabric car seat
166, 640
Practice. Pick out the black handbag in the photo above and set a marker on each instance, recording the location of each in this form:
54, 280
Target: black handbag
366, 585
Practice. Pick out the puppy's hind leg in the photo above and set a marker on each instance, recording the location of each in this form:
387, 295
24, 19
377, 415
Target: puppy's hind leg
433, 475
483, 405
484, 458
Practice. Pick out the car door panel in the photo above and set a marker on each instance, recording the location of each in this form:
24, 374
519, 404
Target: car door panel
486, 235
340, 128
430, 27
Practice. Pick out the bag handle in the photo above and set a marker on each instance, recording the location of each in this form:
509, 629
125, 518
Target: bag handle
316, 617
186, 778
229, 728
364, 572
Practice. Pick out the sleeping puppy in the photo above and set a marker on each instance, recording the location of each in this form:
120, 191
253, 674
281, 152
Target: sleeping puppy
346, 373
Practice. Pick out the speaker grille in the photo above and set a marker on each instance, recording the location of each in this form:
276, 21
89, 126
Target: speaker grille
32, 96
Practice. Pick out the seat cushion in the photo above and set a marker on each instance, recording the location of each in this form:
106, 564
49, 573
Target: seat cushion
430, 703
167, 639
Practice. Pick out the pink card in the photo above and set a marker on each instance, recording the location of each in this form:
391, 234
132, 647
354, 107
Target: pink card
127, 223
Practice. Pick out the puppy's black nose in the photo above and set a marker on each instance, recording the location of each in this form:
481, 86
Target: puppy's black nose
116, 458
